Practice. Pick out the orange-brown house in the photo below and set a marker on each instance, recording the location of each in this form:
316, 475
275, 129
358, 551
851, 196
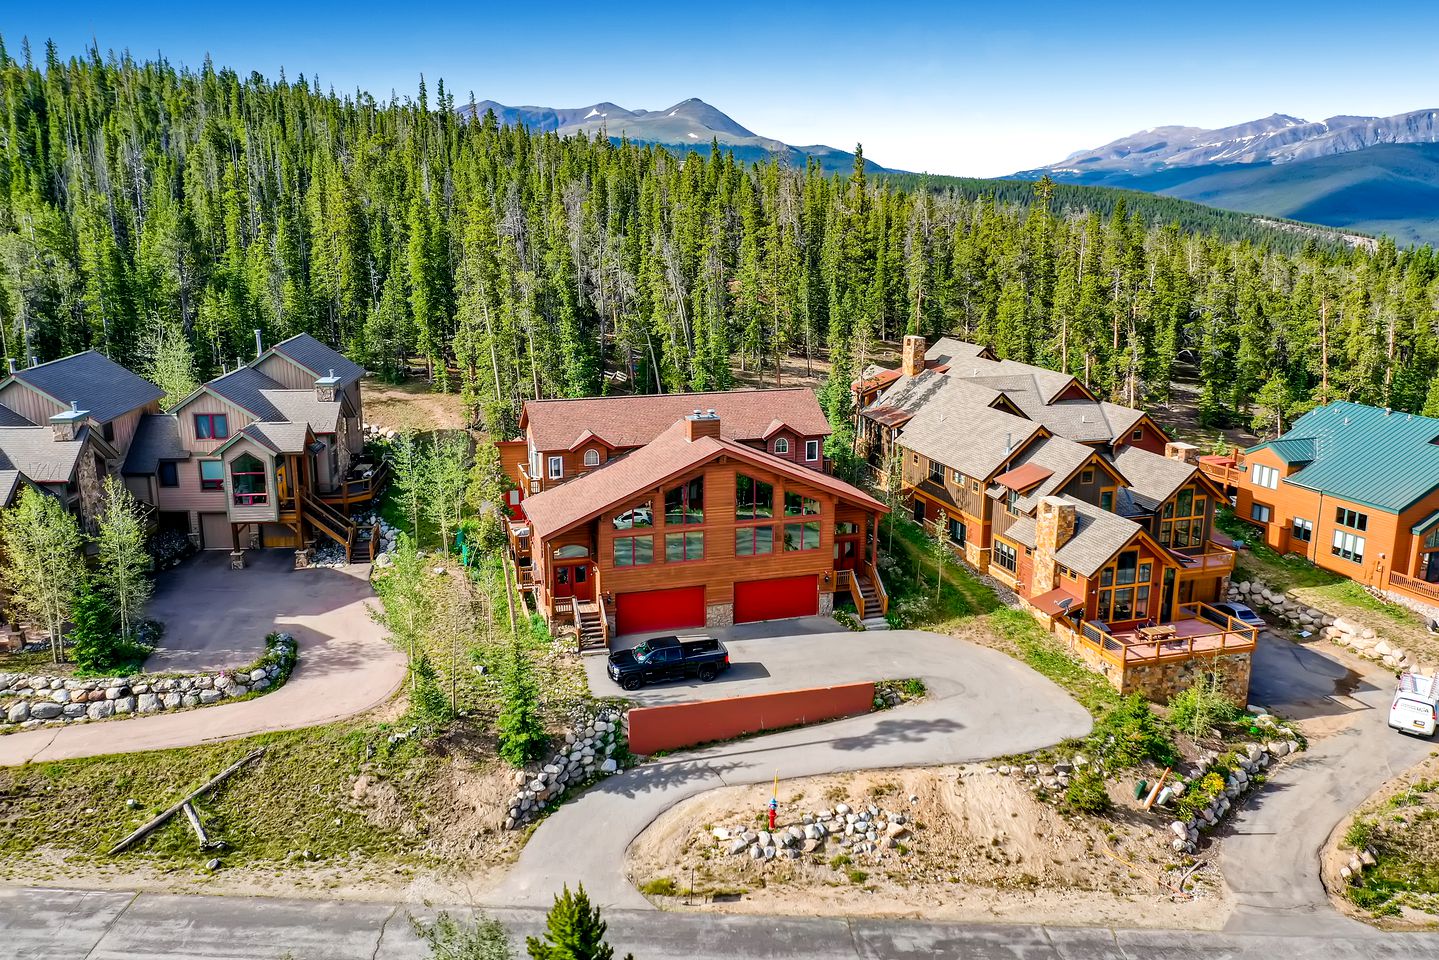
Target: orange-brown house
1355, 490
704, 524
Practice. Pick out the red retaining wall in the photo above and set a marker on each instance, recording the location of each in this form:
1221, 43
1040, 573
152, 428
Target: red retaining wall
686, 724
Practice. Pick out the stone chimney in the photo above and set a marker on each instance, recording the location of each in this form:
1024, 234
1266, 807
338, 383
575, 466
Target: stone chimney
1183, 452
66, 425
1053, 526
702, 423
326, 387
911, 356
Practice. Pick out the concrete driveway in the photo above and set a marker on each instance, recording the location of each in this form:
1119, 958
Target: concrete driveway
216, 617
981, 704
346, 663
1270, 854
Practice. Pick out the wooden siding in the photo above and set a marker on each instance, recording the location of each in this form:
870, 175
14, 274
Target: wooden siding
287, 373
1151, 437
30, 403
1103, 477
208, 403
250, 514
188, 495
125, 426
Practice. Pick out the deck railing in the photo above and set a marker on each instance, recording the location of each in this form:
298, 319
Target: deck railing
1224, 635
1222, 470
879, 589
1217, 558
846, 580
1422, 588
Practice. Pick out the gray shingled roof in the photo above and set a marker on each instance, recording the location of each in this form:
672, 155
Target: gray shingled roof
98, 384
279, 437
947, 350
962, 436
1152, 478
35, 452
1057, 454
910, 394
319, 359
9, 486
9, 418
1098, 536
245, 387
157, 437
304, 406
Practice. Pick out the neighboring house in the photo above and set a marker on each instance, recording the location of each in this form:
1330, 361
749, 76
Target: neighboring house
1083, 508
1355, 490
262, 456
696, 510
68, 458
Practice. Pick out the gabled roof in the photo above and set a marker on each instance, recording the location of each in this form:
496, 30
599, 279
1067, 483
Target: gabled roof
36, 453
633, 421
10, 481
1023, 477
244, 387
909, 395
589, 436
305, 406
948, 350
670, 454
1098, 536
1152, 478
98, 384
1061, 458
1367, 455
9, 418
974, 440
157, 437
317, 358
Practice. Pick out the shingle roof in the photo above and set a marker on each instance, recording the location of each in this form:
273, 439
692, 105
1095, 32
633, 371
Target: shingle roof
1024, 476
319, 359
1098, 536
1046, 384
1363, 454
245, 387
35, 452
157, 437
1060, 457
947, 350
1152, 478
279, 437
669, 454
304, 406
909, 395
633, 421
974, 440
9, 418
9, 484
101, 386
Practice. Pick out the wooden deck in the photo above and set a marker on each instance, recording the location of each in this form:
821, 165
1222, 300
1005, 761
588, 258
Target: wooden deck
1193, 637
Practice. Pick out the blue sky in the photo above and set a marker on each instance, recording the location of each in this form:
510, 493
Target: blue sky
954, 88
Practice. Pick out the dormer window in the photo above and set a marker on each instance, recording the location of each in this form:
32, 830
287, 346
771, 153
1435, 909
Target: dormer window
781, 446
592, 458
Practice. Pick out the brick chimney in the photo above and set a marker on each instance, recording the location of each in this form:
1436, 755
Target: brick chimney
911, 362
702, 423
1053, 526
325, 387
1183, 452
66, 425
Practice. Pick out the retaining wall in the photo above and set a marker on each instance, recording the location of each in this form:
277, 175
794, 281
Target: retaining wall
685, 724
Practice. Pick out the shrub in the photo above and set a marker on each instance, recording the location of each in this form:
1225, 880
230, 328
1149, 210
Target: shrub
659, 887
1129, 734
428, 704
573, 931
521, 730
1360, 834
1198, 708
857, 876
451, 939
1086, 793
95, 641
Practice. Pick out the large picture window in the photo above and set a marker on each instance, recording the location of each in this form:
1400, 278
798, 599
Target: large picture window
754, 541
798, 505
754, 499
247, 481
634, 551
801, 536
1183, 520
211, 426
686, 503
1348, 546
640, 515
680, 547
1124, 588
1005, 556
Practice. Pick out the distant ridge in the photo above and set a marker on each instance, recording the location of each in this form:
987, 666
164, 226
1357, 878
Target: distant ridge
690, 125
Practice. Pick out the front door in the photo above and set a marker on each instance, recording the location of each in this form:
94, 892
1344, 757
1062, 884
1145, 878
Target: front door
919, 511
573, 580
1431, 566
1166, 612
846, 552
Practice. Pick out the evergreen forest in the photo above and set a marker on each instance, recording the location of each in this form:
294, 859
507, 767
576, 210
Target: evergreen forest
143, 204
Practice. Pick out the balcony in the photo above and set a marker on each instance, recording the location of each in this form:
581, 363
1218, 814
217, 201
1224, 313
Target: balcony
1205, 631
1211, 558
1223, 470
360, 487
1415, 587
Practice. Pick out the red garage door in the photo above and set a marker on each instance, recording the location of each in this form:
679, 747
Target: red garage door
776, 599
654, 610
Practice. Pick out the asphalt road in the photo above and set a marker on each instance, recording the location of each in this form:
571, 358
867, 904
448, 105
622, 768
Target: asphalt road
1270, 855
48, 924
980, 704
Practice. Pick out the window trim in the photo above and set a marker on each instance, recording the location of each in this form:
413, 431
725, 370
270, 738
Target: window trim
811, 445
592, 457
936, 472
1348, 546
1005, 551
210, 432
555, 467
781, 446
685, 536
1351, 518
752, 505
249, 498
1138, 434
217, 483
686, 507
1302, 530
750, 532
629, 541
803, 526
1255, 507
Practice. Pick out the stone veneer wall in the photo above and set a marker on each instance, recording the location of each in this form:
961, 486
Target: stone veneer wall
1162, 680
719, 615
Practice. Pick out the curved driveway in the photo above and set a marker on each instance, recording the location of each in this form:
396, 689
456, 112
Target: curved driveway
346, 666
981, 704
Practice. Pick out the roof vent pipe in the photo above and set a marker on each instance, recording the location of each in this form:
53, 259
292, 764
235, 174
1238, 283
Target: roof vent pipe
14, 367
259, 344
34, 361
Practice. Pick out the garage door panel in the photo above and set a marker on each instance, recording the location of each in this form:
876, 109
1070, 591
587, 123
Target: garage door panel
215, 531
777, 599
654, 610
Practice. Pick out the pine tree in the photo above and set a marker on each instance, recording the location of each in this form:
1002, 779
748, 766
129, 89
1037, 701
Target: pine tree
573, 931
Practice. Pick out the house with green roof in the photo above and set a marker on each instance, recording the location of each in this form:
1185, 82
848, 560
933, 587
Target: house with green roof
1354, 489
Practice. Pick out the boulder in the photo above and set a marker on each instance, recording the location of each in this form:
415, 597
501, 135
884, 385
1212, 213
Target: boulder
100, 710
73, 711
1381, 648
45, 710
125, 704
609, 766
215, 696
737, 846
18, 712
148, 703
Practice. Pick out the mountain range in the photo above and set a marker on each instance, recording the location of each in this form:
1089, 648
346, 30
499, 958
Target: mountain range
1375, 174
690, 125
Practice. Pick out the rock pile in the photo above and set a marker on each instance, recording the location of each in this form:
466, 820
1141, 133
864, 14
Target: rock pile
1357, 864
861, 829
328, 553
374, 431
587, 753
1252, 758
387, 540
1054, 776
1341, 630
29, 701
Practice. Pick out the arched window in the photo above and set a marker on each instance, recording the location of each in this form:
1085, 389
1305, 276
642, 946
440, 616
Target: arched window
592, 458
572, 551
247, 481
781, 445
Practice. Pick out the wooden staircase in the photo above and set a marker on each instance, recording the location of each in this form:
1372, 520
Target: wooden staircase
365, 543
590, 623
874, 618
333, 524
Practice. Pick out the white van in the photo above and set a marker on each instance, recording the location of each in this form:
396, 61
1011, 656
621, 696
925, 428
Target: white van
1416, 704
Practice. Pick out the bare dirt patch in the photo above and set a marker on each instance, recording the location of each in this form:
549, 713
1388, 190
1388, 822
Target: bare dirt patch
981, 848
411, 405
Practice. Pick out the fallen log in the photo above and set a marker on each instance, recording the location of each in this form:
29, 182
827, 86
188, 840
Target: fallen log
159, 821
194, 818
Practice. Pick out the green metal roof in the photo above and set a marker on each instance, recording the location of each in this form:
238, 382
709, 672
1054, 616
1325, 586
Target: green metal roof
1385, 460
1425, 524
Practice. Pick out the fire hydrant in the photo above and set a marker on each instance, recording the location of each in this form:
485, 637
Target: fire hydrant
773, 809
